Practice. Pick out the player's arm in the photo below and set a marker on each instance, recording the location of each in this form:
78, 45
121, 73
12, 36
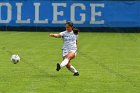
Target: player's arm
77, 43
55, 35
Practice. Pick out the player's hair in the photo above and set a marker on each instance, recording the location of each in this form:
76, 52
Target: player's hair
75, 30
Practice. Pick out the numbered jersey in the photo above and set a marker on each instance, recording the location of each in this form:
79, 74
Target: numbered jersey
70, 40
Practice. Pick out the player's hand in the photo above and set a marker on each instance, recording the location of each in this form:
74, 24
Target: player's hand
51, 35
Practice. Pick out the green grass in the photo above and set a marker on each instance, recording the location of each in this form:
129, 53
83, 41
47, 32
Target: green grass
107, 62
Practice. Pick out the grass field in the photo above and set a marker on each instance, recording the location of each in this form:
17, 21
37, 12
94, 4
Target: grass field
107, 62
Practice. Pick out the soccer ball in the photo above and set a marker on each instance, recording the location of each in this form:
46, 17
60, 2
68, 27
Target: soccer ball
15, 58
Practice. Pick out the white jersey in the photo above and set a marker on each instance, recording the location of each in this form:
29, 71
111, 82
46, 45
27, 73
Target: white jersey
69, 40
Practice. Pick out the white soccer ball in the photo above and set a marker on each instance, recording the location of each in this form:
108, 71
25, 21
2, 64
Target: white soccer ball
15, 58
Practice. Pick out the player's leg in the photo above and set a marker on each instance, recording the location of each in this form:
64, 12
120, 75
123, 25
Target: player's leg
72, 69
68, 57
66, 60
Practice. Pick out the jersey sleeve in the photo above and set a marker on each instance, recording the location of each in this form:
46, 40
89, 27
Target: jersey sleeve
62, 34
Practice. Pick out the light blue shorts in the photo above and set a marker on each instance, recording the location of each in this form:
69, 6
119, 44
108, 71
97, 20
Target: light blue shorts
66, 51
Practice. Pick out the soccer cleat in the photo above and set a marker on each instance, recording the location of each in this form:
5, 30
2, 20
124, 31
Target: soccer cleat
76, 74
58, 67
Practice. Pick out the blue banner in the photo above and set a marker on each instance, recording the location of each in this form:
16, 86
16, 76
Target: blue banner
81, 13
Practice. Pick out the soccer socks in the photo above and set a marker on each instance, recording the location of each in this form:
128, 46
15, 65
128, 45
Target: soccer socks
64, 62
72, 69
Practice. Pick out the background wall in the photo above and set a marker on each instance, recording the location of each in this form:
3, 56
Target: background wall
48, 15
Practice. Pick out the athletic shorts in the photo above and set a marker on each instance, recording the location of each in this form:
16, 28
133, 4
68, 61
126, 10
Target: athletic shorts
66, 51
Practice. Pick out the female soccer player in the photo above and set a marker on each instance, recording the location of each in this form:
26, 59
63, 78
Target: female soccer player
69, 48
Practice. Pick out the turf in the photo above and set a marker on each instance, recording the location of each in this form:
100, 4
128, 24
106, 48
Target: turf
107, 62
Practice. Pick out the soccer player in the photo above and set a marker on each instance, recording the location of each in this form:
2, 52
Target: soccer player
69, 49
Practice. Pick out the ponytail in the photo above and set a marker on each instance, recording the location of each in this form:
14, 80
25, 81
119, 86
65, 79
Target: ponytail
76, 31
